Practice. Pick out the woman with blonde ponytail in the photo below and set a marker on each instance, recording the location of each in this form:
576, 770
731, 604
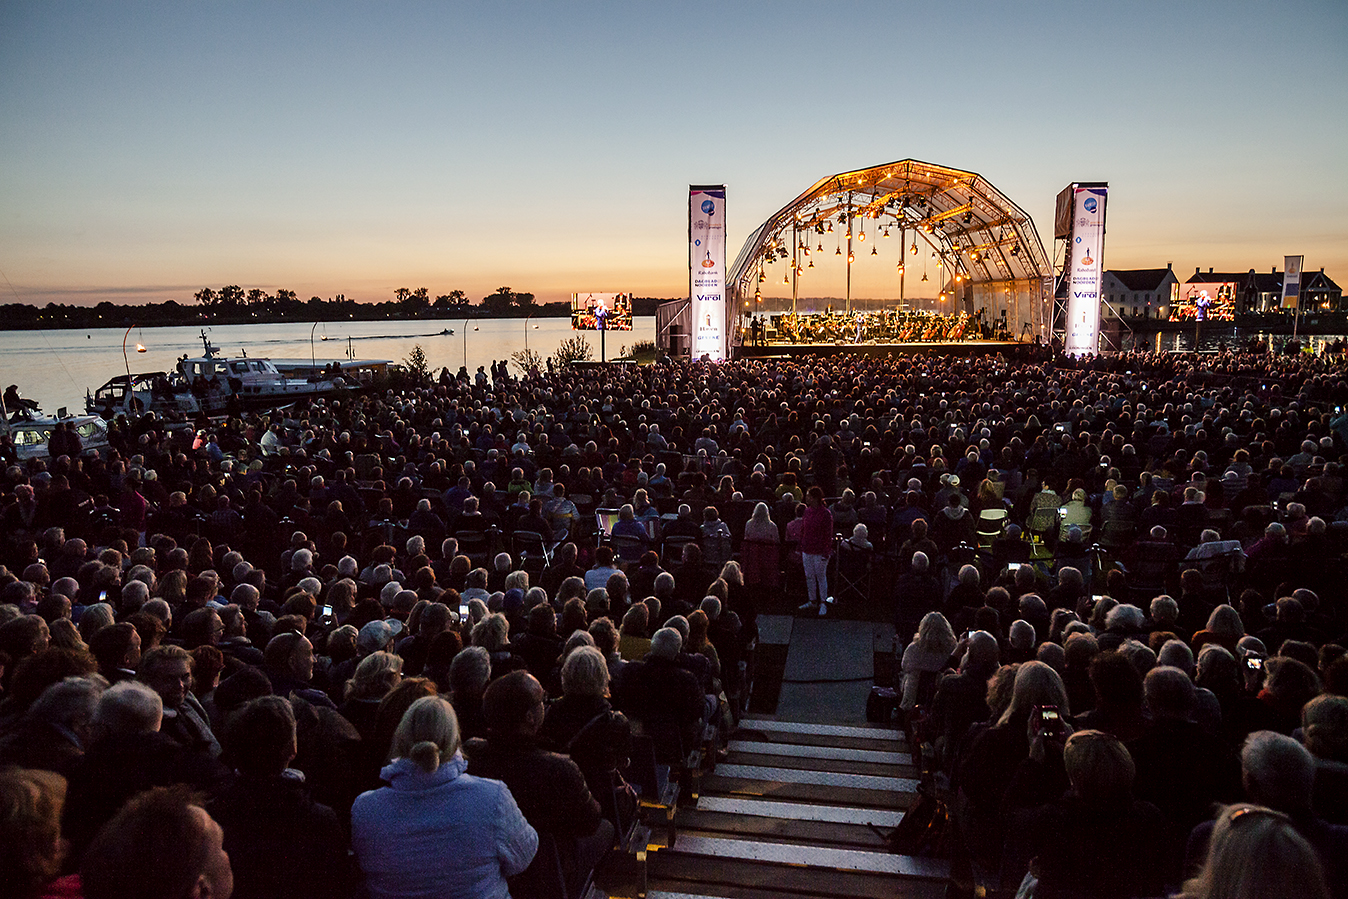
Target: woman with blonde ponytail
435, 831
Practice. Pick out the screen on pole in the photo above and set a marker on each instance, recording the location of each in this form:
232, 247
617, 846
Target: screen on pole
1086, 251
601, 312
1206, 301
706, 270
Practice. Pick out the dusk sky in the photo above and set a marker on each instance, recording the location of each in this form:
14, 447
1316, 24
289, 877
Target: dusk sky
149, 150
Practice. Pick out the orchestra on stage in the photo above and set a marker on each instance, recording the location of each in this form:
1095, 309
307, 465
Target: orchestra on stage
883, 326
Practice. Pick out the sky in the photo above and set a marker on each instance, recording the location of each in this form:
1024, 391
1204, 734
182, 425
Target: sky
148, 150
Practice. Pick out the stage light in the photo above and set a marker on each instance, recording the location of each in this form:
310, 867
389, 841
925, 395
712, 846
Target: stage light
1015, 251
811, 265
862, 238
820, 248
851, 257
914, 248
886, 234
800, 270
838, 252
762, 276
830, 227
900, 268
924, 276
786, 279
875, 251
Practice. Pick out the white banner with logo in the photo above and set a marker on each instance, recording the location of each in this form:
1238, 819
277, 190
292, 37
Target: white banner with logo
1291, 281
1086, 270
706, 270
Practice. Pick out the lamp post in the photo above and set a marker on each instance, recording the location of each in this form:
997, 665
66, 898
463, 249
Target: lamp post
126, 361
140, 348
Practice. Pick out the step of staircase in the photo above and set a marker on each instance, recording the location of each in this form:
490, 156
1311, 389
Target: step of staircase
793, 811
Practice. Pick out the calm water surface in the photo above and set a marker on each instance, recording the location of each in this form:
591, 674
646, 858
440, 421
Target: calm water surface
57, 367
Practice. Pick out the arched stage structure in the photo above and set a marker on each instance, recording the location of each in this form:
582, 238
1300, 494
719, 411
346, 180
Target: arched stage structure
985, 251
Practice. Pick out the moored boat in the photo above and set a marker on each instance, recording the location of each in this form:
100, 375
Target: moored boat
214, 384
30, 431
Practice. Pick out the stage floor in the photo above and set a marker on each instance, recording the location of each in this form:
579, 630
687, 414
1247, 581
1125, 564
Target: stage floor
943, 348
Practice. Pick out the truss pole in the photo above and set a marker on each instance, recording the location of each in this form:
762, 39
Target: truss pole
795, 266
849, 253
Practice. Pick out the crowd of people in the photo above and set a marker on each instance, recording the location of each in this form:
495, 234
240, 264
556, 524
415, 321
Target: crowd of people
381, 641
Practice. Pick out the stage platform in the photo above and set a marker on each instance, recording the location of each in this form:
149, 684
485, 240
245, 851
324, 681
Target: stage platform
871, 349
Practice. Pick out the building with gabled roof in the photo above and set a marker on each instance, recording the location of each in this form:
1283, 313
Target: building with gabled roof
1139, 292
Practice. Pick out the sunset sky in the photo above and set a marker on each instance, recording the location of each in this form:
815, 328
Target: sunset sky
148, 150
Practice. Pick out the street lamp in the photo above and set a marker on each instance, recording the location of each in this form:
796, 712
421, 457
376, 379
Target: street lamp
140, 348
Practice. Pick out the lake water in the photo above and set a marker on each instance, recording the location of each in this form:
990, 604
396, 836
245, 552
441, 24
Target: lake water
57, 367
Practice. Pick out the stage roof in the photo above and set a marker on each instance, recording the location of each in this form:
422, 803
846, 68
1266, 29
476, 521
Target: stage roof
974, 229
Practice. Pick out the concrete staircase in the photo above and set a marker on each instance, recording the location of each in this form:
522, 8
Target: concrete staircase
789, 813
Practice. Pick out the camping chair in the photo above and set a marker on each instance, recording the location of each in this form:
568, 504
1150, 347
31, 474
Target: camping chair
1042, 522
991, 522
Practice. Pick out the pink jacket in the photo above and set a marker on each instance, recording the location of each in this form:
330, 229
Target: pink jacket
816, 533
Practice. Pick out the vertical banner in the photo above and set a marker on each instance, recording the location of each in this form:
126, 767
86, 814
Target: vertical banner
1086, 270
1291, 281
706, 270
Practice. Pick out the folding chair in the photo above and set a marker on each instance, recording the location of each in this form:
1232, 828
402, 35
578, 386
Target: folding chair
854, 570
672, 548
522, 543
475, 545
716, 551
1117, 535
1221, 572
628, 549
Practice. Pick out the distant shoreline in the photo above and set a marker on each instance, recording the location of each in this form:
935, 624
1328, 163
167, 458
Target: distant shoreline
24, 317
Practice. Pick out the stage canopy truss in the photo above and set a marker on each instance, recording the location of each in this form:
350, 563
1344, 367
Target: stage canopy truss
984, 246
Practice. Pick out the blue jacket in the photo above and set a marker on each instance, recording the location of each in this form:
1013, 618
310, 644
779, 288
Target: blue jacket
444, 834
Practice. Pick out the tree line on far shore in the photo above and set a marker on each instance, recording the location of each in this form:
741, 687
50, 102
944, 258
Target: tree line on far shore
232, 304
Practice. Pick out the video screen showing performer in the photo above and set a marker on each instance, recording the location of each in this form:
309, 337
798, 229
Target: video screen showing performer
601, 312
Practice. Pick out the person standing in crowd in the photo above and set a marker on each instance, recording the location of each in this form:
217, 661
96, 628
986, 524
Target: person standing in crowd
816, 546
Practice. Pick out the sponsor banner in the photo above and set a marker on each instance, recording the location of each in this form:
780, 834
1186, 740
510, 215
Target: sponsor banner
1085, 273
1291, 280
706, 270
